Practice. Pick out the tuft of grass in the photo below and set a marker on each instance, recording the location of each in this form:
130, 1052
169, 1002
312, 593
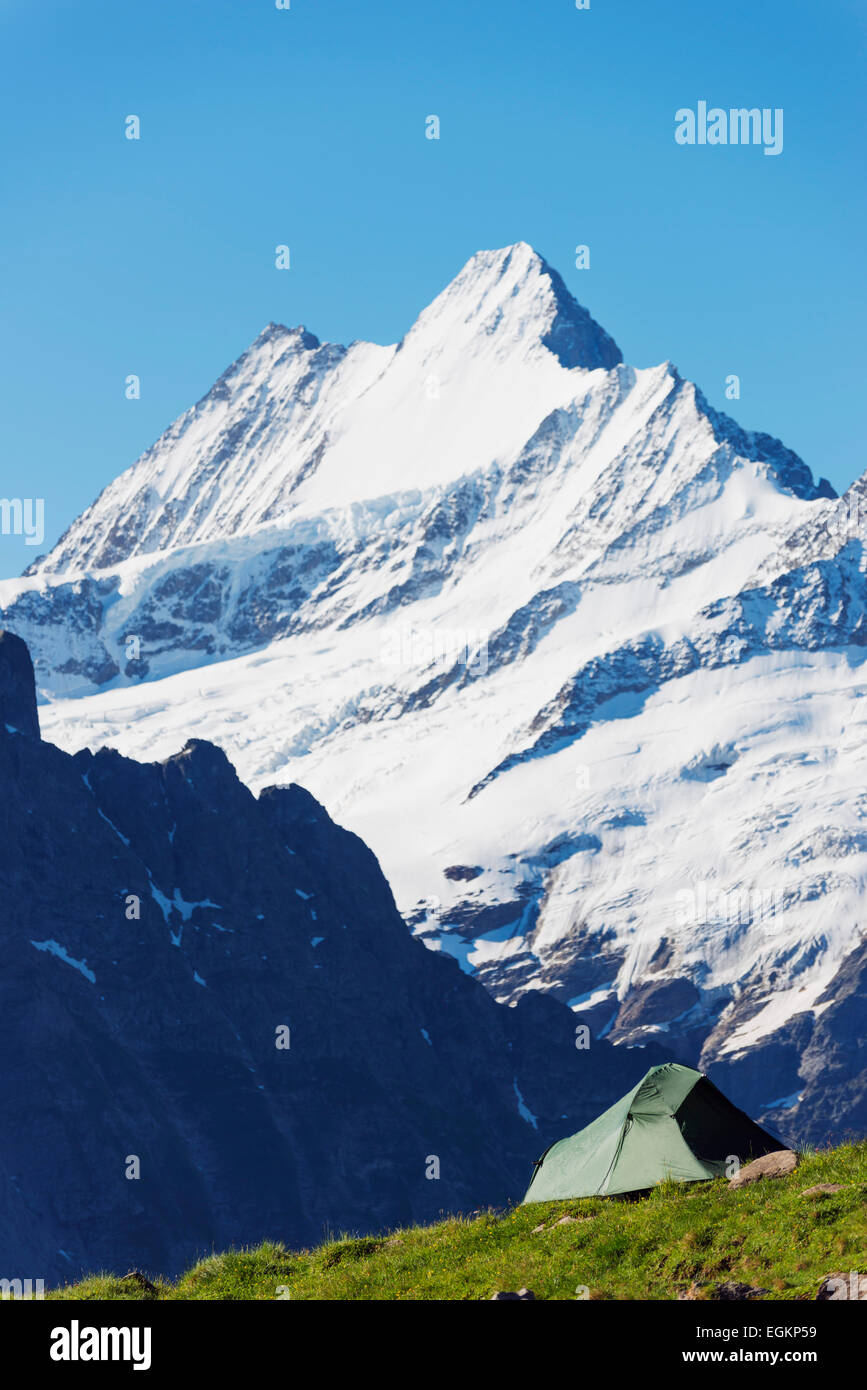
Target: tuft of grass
766, 1234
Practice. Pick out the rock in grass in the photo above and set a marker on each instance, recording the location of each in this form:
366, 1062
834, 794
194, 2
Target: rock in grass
504, 1296
773, 1165
135, 1276
730, 1291
823, 1188
563, 1221
726, 1292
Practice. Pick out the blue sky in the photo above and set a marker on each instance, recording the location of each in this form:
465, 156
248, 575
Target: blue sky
307, 127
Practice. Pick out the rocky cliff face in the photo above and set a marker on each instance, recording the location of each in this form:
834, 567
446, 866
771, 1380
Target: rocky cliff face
216, 1028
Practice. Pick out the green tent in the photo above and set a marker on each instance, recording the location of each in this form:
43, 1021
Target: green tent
675, 1124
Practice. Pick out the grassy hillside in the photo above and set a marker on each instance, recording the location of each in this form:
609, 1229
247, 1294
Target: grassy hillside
767, 1235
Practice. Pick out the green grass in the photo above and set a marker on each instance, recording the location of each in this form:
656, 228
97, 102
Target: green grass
766, 1234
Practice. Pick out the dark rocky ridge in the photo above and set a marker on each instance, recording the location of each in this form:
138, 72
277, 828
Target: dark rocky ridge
154, 1036
574, 337
17, 687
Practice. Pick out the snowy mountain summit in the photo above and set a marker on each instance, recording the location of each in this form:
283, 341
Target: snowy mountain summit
294, 426
577, 656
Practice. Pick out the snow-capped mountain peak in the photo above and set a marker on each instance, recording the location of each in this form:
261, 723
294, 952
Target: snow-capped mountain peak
284, 427
513, 296
573, 651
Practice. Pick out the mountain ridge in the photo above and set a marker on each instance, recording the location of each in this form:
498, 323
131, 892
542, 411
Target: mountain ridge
515, 289
219, 1030
567, 625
